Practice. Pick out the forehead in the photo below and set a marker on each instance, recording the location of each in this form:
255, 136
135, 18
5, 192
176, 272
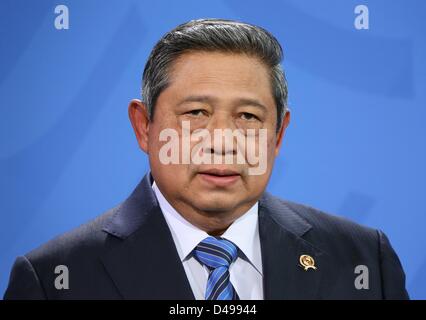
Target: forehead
222, 75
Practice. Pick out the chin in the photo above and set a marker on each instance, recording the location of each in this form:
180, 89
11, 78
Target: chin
217, 204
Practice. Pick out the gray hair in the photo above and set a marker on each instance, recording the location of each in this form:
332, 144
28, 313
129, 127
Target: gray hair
214, 35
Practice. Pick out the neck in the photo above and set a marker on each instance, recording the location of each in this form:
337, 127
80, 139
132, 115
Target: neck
215, 223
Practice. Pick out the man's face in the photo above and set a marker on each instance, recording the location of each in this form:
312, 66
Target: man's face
215, 91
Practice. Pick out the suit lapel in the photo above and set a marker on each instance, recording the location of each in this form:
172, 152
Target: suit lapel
145, 264
281, 234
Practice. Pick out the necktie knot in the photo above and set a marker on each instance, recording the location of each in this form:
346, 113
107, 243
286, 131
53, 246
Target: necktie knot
215, 252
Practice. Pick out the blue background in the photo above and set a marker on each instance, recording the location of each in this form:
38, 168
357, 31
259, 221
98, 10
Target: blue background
355, 146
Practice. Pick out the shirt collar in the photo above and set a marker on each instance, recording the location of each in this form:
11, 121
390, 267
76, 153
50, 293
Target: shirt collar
243, 232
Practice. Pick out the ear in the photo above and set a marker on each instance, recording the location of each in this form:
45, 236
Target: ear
281, 132
138, 114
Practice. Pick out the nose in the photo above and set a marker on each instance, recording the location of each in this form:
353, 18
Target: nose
222, 130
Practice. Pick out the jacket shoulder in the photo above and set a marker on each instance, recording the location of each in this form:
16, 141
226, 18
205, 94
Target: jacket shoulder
325, 229
316, 217
81, 241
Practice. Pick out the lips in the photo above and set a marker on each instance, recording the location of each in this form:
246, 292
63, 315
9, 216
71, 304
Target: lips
219, 177
220, 172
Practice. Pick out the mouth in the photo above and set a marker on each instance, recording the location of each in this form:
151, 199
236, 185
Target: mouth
219, 177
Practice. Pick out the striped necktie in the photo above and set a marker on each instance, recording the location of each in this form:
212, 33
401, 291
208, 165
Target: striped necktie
217, 254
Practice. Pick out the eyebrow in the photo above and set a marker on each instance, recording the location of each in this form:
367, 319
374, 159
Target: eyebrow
212, 100
201, 98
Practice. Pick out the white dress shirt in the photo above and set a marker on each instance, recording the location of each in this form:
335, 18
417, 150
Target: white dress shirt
245, 272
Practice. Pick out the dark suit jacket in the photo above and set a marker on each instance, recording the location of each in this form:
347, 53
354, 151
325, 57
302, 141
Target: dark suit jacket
129, 253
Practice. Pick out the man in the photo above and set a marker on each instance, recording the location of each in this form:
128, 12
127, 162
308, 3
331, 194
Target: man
200, 224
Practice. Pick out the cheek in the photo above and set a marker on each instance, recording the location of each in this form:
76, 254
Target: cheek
255, 185
272, 143
156, 127
268, 146
153, 142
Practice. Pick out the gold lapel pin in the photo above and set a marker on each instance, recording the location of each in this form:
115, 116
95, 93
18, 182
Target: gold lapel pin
307, 262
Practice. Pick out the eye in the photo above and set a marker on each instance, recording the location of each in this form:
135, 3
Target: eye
248, 116
196, 112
